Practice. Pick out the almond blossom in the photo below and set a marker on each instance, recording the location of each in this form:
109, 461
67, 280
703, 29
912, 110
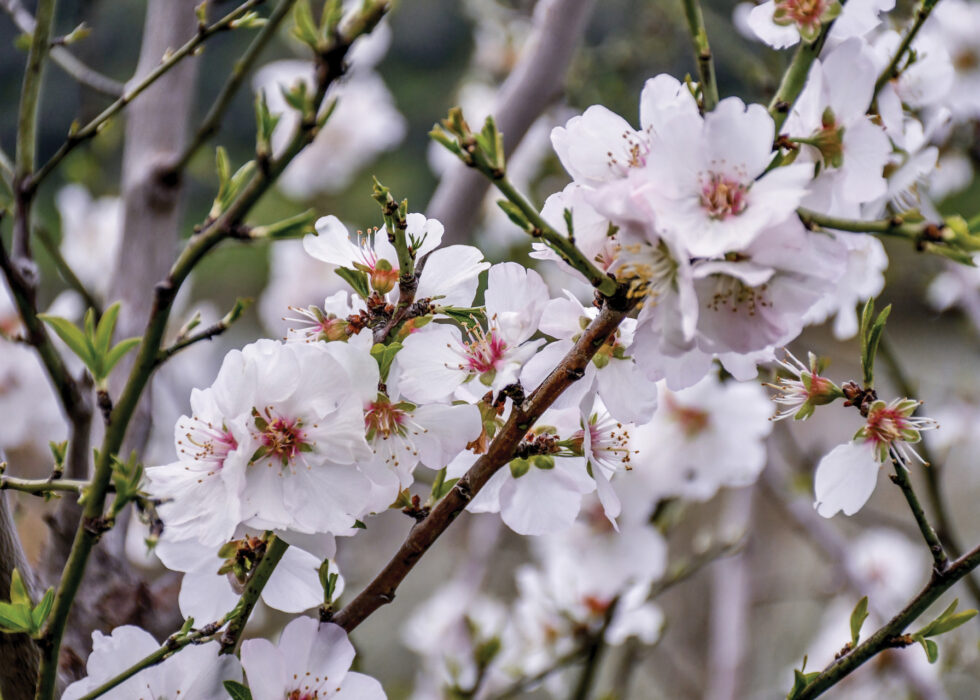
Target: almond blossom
311, 660
846, 477
439, 359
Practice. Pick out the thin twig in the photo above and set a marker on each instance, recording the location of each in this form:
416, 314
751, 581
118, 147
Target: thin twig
593, 652
901, 478
893, 70
85, 75
702, 53
275, 548
212, 121
884, 637
93, 127
41, 487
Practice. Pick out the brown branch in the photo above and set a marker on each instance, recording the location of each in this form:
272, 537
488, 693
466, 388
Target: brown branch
423, 535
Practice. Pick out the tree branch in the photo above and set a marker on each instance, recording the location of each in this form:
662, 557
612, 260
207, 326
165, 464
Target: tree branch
702, 53
275, 548
93, 127
883, 638
19, 653
901, 478
382, 589
65, 59
534, 84
212, 121
892, 70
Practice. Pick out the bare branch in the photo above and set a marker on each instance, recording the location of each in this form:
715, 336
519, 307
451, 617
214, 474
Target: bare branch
533, 85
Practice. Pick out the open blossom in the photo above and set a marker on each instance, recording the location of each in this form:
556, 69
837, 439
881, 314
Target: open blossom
846, 477
834, 131
311, 660
439, 359
296, 279
276, 446
706, 179
782, 23
196, 673
955, 25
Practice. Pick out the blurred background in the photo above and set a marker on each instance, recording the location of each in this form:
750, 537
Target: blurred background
440, 53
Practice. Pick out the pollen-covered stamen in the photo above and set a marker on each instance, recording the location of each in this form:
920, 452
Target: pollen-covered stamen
723, 197
732, 294
204, 443
636, 154
384, 421
482, 350
313, 324
892, 429
798, 396
647, 270
692, 420
609, 443
306, 692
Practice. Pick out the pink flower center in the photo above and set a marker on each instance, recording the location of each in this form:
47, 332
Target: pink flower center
886, 425
303, 695
723, 197
801, 12
483, 351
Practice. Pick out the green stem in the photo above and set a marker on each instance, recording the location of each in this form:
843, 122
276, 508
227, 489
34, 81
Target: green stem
40, 487
893, 70
93, 127
93, 523
212, 121
795, 76
31, 91
702, 52
559, 243
884, 637
901, 478
275, 548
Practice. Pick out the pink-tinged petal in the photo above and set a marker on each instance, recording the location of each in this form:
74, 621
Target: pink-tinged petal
295, 584
265, 669
866, 153
428, 231
516, 297
596, 146
664, 97
332, 243
357, 686
540, 501
845, 479
453, 274
850, 97
537, 369
740, 137
760, 21
322, 649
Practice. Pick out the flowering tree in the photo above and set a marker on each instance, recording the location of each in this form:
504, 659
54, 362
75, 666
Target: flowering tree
588, 397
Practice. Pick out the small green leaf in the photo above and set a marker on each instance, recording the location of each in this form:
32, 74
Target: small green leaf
15, 618
304, 28
931, 649
359, 524
385, 356
72, 336
103, 334
238, 691
356, 279
117, 353
858, 617
18, 591
40, 613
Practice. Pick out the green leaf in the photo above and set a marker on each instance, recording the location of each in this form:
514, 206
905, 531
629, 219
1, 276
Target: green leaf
445, 487
117, 353
107, 324
304, 28
385, 355
931, 649
514, 213
40, 613
356, 279
359, 524
948, 620
858, 617
15, 618
72, 336
238, 691
18, 591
